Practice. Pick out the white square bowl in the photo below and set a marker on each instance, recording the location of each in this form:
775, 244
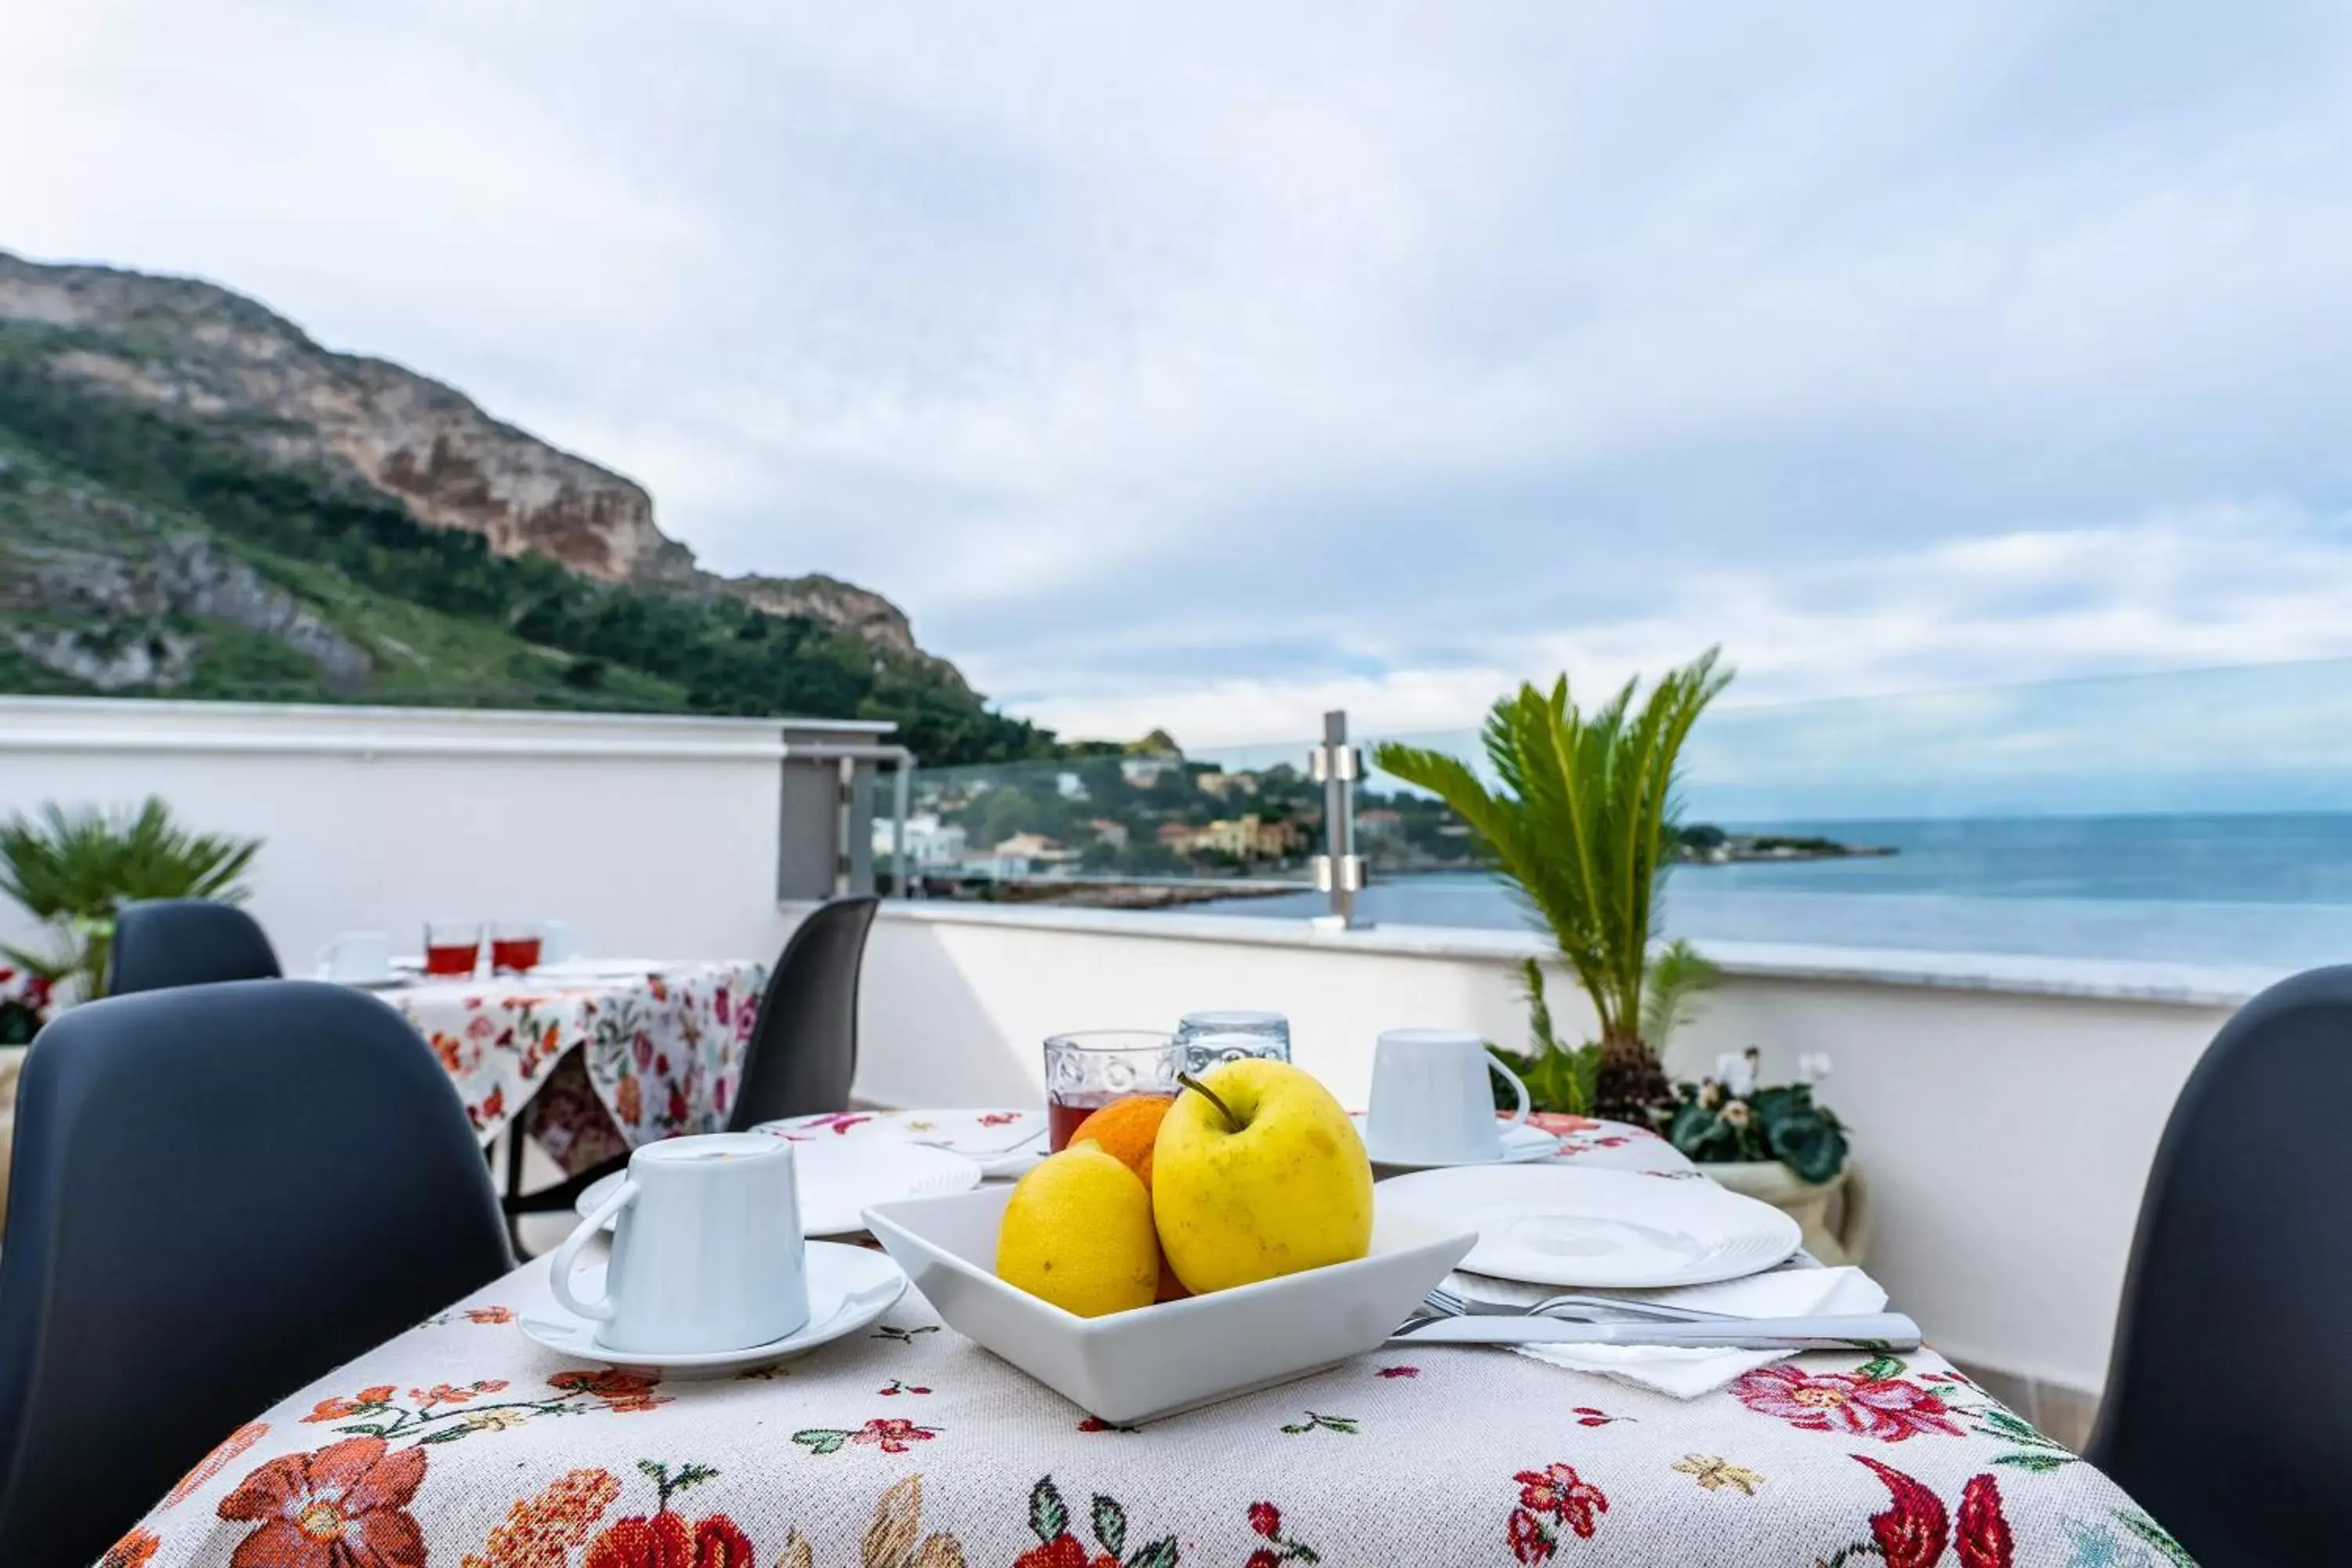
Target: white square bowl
1136, 1366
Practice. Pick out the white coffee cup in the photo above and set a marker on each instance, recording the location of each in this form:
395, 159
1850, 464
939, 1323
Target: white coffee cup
708, 1253
1431, 1102
358, 955
555, 943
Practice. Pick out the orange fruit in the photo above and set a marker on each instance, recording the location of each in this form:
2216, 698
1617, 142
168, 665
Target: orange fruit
1126, 1130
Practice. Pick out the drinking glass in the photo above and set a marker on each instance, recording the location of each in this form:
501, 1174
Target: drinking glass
1229, 1034
514, 948
1089, 1069
452, 947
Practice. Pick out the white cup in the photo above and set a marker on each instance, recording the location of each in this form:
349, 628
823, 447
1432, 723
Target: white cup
708, 1254
1431, 1102
555, 943
358, 955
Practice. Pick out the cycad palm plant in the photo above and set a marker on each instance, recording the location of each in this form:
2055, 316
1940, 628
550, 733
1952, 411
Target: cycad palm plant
1583, 827
75, 869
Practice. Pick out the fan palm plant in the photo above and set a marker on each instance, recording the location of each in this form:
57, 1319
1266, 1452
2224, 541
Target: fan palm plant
74, 870
1583, 827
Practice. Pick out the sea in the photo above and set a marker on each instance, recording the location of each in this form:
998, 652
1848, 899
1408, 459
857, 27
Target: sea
2269, 889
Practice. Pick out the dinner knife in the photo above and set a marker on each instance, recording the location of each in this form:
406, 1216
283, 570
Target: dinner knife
1859, 1332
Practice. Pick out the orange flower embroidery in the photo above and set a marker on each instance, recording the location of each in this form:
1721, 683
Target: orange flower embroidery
214, 1463
344, 1505
666, 1541
489, 1315
619, 1390
443, 1394
542, 1532
340, 1409
131, 1552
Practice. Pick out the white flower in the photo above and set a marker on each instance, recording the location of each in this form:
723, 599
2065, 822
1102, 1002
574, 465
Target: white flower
1813, 1066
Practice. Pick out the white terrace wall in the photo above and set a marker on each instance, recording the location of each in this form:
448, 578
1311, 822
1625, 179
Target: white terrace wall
2006, 1112
650, 837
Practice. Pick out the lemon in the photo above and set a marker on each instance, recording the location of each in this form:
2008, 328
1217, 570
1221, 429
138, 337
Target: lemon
1077, 1232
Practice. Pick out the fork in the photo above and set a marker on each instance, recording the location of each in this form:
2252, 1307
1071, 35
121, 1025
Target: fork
1568, 1307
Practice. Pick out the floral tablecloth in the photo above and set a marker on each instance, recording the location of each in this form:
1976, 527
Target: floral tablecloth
594, 1065
462, 1445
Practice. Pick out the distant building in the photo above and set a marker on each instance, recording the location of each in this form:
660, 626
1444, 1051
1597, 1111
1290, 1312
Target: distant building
1142, 773
1380, 823
931, 845
1224, 786
1248, 838
1111, 833
1036, 848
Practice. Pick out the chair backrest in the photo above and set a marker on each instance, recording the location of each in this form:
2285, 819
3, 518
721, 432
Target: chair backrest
2241, 1268
220, 1192
185, 942
804, 1046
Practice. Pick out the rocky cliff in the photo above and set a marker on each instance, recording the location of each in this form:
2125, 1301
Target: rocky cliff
213, 357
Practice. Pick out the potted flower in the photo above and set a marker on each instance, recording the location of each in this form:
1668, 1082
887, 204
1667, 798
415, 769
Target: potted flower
1775, 1143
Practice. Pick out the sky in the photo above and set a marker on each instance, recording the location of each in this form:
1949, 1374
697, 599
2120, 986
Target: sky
1210, 367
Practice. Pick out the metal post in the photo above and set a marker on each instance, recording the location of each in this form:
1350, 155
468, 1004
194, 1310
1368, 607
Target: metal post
902, 784
1338, 870
844, 824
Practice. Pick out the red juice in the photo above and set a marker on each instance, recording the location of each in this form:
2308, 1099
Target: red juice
452, 960
1063, 1115
514, 954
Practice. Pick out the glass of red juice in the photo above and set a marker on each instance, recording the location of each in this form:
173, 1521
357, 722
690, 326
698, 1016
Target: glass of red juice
452, 947
1089, 1069
514, 948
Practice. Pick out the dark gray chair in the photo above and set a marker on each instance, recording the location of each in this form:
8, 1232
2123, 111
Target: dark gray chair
804, 1049
185, 942
193, 1210
2242, 1266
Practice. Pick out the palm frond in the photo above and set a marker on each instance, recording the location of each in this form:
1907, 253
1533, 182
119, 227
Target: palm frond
1677, 976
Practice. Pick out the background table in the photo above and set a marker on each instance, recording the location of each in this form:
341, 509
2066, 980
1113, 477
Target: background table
463, 1444
601, 1062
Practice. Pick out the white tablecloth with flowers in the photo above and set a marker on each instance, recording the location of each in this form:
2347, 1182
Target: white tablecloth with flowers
463, 1444
593, 1064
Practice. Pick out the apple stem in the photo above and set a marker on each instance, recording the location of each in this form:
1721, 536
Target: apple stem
1202, 1089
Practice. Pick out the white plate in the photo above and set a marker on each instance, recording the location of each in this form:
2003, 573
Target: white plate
849, 1287
1612, 1229
1006, 1144
839, 1180
1156, 1361
1520, 1144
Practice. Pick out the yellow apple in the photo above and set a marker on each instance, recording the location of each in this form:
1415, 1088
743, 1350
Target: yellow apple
1258, 1173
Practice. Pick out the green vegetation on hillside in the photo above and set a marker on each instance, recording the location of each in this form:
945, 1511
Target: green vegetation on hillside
482, 628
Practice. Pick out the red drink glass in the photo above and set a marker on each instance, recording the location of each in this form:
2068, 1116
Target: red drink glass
514, 949
452, 950
1093, 1067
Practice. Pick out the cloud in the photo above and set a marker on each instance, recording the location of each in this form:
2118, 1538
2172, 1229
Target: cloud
1213, 366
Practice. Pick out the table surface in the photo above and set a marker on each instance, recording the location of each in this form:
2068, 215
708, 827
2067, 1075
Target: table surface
607, 1055
462, 1443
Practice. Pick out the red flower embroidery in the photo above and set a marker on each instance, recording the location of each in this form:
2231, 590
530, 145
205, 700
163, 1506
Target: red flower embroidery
1263, 1558
214, 1463
344, 1505
1560, 1491
892, 1435
1400, 1371
1560, 1123
1883, 1407
999, 1118
1912, 1530
1530, 1542
620, 1391
340, 1409
1063, 1550
131, 1552
489, 1315
1983, 1540
666, 1541
677, 1117
1265, 1518
443, 1394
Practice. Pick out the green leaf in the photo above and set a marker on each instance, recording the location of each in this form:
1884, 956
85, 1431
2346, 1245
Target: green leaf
1049, 1517
2157, 1536
1880, 1368
1161, 1554
1110, 1525
2039, 1463
446, 1435
821, 1440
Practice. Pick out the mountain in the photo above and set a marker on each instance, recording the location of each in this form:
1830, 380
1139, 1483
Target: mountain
195, 499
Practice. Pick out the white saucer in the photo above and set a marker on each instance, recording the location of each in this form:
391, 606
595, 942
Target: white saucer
838, 1182
1005, 1144
1520, 1144
1606, 1229
848, 1286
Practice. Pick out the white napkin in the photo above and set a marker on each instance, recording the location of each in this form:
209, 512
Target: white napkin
1788, 1292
